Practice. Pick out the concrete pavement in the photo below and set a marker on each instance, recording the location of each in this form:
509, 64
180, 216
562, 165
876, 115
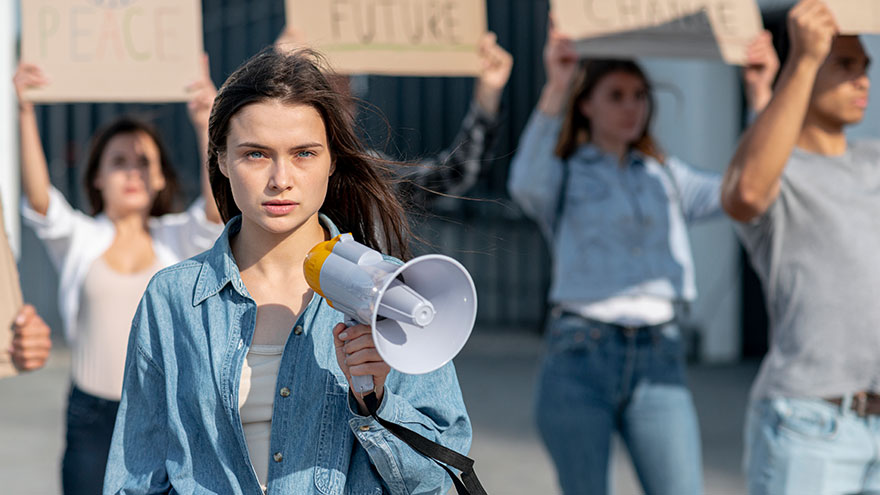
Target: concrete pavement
496, 371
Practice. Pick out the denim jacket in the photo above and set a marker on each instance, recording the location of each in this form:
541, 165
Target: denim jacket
178, 429
619, 231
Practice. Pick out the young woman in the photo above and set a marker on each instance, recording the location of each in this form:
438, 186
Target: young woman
614, 210
237, 379
106, 259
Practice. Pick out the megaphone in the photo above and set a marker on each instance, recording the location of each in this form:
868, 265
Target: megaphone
421, 312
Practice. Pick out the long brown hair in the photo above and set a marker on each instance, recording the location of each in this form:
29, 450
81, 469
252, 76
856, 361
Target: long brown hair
576, 126
165, 199
360, 195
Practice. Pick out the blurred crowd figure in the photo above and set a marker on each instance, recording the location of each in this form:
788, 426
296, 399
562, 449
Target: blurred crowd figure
106, 257
805, 199
613, 207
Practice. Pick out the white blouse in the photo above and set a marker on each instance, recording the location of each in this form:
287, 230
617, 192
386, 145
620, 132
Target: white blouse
75, 240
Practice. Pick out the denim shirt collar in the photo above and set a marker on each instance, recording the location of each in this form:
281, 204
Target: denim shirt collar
219, 267
590, 153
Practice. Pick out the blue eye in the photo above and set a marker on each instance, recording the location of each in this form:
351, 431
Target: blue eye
305, 154
254, 155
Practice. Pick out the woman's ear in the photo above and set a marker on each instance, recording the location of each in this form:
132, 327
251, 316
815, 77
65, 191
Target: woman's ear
159, 182
221, 164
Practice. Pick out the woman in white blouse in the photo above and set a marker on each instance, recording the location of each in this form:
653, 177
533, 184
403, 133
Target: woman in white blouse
106, 259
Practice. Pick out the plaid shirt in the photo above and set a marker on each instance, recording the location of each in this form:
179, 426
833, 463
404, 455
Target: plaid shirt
454, 170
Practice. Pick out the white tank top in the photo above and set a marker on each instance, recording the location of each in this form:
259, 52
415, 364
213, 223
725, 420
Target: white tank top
107, 306
256, 398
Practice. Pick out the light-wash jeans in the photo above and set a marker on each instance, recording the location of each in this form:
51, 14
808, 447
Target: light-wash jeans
596, 380
810, 447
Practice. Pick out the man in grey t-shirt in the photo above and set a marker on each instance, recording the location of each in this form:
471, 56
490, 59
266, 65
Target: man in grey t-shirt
808, 203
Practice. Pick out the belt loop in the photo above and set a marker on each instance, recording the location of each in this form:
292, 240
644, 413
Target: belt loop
846, 403
861, 408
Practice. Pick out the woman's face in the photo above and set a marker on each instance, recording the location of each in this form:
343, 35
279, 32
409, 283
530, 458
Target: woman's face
278, 163
617, 108
130, 173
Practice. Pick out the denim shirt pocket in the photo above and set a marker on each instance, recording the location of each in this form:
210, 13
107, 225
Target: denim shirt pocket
586, 200
335, 438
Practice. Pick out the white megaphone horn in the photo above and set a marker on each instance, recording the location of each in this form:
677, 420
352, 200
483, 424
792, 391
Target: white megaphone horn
421, 312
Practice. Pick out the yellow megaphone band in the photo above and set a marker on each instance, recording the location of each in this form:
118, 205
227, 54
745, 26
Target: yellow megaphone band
315, 260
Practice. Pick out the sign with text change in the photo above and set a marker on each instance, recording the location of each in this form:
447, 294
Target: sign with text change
661, 28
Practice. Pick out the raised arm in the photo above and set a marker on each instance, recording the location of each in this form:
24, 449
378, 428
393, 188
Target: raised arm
536, 173
34, 171
202, 93
457, 168
751, 183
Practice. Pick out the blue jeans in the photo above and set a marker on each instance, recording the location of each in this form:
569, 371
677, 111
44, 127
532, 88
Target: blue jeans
597, 379
90, 422
810, 446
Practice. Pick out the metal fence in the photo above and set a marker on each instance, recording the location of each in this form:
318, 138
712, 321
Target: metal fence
503, 251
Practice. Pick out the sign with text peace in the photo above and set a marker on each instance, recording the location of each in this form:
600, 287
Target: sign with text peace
856, 16
113, 50
663, 28
393, 37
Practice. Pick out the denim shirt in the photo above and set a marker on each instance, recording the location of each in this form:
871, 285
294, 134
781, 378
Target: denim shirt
178, 429
619, 230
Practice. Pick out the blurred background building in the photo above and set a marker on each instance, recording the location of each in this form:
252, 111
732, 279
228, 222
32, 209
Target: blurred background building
699, 118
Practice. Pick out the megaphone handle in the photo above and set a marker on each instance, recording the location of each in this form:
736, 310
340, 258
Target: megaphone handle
362, 384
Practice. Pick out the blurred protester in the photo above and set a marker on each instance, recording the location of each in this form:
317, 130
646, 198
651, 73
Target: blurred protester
614, 210
807, 200
237, 379
26, 342
106, 258
456, 169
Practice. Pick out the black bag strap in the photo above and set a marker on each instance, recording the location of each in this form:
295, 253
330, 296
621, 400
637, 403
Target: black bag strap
444, 457
561, 199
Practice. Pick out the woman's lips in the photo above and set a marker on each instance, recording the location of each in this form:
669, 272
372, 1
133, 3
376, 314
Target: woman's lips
279, 207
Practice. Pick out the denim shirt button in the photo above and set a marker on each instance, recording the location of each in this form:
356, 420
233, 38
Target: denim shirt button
285, 392
277, 457
365, 428
298, 330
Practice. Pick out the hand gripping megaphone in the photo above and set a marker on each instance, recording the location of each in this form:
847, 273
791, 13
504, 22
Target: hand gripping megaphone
421, 312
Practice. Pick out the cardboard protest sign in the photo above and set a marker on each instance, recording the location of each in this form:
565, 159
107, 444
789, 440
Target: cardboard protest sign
393, 37
10, 299
856, 16
665, 28
113, 50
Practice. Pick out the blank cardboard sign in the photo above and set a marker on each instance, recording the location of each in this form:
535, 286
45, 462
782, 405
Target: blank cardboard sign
113, 50
857, 16
393, 37
663, 28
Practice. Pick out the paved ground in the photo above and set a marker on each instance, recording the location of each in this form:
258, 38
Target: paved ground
497, 376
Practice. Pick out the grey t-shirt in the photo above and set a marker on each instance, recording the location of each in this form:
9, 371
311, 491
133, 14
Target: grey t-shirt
817, 252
